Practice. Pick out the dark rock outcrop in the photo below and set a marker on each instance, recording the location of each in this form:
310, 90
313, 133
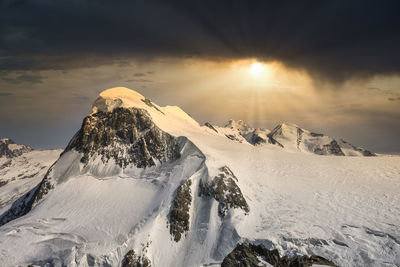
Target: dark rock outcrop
131, 260
256, 139
225, 190
126, 135
250, 255
151, 104
209, 125
179, 214
332, 148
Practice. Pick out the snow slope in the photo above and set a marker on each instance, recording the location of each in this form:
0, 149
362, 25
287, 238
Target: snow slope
21, 169
345, 209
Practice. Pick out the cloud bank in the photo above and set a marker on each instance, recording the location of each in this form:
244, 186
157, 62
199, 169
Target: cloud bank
334, 40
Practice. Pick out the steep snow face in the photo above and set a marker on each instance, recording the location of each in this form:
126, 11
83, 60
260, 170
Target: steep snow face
90, 210
9, 149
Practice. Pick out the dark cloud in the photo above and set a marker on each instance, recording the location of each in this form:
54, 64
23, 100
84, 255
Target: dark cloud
139, 74
24, 78
139, 80
394, 99
330, 39
3, 94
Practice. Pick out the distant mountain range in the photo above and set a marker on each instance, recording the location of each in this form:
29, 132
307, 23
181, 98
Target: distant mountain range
289, 137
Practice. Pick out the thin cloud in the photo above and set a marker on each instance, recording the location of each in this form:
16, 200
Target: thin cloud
139, 80
24, 78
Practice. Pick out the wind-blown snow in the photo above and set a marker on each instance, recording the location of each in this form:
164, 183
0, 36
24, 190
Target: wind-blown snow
346, 209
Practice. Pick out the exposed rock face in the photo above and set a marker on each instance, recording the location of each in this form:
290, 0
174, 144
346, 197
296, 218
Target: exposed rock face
125, 135
250, 255
225, 190
151, 104
329, 149
209, 125
179, 214
9, 149
257, 138
131, 260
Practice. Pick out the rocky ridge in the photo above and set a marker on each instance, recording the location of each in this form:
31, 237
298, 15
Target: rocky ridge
9, 149
251, 255
225, 190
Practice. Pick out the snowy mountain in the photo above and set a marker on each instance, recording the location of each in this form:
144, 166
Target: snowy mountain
9, 149
21, 168
289, 137
144, 185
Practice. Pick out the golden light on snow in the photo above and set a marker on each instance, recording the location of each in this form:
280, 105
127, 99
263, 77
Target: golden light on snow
257, 69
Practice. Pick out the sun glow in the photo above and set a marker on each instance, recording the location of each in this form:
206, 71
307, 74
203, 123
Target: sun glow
257, 69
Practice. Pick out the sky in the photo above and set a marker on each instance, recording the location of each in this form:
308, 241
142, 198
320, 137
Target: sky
327, 66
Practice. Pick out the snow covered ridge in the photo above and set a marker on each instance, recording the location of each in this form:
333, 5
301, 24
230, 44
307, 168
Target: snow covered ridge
21, 168
289, 137
145, 185
9, 149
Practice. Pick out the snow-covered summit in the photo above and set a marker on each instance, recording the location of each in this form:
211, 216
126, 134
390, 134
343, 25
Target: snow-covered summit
239, 125
118, 97
171, 117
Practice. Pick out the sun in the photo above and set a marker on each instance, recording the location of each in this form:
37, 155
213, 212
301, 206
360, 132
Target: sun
256, 69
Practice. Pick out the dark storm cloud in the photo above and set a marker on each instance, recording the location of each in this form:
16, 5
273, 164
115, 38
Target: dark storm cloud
330, 39
394, 99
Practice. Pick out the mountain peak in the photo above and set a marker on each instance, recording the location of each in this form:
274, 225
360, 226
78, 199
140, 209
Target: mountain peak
239, 125
119, 97
10, 149
121, 93
287, 125
7, 141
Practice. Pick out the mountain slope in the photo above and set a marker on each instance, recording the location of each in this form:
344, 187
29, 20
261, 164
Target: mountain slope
140, 182
21, 168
